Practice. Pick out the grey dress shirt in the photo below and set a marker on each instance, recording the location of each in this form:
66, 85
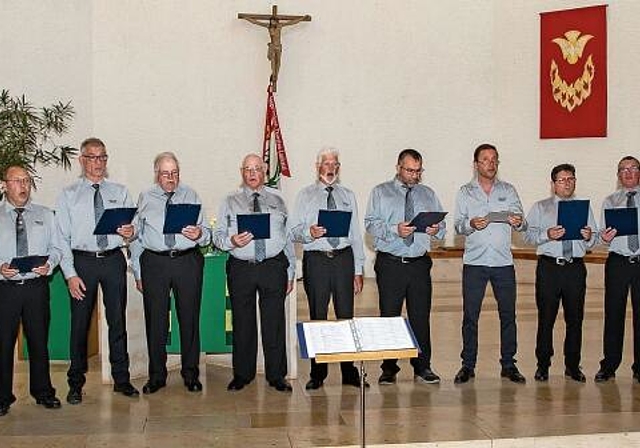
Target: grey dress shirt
385, 211
491, 246
544, 215
149, 223
619, 244
309, 202
241, 202
75, 219
41, 230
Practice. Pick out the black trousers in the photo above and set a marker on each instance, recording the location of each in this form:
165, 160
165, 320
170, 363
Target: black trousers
326, 277
474, 286
555, 284
160, 275
620, 276
398, 281
268, 279
110, 274
28, 302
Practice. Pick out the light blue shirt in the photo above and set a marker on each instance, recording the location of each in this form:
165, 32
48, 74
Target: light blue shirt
241, 202
41, 229
385, 211
544, 215
75, 219
149, 222
491, 246
309, 202
620, 244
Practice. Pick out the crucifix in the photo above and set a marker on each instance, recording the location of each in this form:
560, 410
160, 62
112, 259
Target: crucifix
274, 23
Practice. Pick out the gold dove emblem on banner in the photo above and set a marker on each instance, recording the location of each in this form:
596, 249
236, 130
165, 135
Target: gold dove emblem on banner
572, 95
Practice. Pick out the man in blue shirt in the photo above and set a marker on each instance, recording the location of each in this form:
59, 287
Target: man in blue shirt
487, 209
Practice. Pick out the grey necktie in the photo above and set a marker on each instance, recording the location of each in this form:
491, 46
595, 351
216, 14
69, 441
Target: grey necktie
98, 209
632, 240
169, 238
408, 212
22, 243
567, 249
331, 205
260, 247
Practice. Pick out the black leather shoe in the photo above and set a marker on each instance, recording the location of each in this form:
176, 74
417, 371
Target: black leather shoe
152, 388
464, 375
354, 381
126, 389
636, 376
74, 396
542, 374
575, 374
387, 378
4, 409
236, 384
603, 376
49, 402
427, 376
313, 384
193, 385
512, 374
281, 385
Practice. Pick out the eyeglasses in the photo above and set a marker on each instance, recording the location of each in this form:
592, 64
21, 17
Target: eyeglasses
253, 169
102, 158
629, 169
412, 171
20, 181
169, 174
486, 162
565, 180
330, 164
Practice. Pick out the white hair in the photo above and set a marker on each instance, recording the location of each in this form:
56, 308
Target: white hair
327, 151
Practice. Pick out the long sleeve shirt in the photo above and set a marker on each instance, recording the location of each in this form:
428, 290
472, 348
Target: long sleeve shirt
544, 215
149, 223
309, 202
385, 211
618, 199
491, 246
40, 228
241, 202
75, 219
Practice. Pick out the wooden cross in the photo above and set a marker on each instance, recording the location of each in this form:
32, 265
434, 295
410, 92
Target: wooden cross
274, 24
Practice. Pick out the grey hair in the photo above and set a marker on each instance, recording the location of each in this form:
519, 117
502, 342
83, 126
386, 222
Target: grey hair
167, 155
327, 151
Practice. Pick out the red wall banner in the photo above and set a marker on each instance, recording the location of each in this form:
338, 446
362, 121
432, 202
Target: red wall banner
573, 73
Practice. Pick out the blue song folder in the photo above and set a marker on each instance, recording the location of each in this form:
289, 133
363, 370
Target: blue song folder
335, 222
573, 216
257, 224
26, 264
180, 216
426, 219
112, 218
624, 220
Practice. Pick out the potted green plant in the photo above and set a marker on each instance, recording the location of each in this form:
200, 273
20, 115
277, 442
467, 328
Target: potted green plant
28, 134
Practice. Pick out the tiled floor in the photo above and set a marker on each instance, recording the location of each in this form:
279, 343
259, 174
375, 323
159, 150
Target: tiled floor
483, 410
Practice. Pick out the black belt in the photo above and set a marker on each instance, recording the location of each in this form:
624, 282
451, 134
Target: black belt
98, 254
403, 260
240, 260
24, 281
633, 259
330, 253
560, 261
173, 253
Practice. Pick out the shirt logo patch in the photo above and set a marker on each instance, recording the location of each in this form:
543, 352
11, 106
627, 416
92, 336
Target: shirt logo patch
502, 199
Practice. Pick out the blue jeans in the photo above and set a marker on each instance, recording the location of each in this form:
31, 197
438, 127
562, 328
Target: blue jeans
474, 285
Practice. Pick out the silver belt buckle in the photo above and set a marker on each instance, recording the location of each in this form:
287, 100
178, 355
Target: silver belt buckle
404, 260
633, 259
100, 254
330, 253
18, 282
173, 253
562, 261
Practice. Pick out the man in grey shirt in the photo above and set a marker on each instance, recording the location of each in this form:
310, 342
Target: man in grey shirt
26, 229
403, 265
263, 267
561, 276
331, 266
90, 261
487, 209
